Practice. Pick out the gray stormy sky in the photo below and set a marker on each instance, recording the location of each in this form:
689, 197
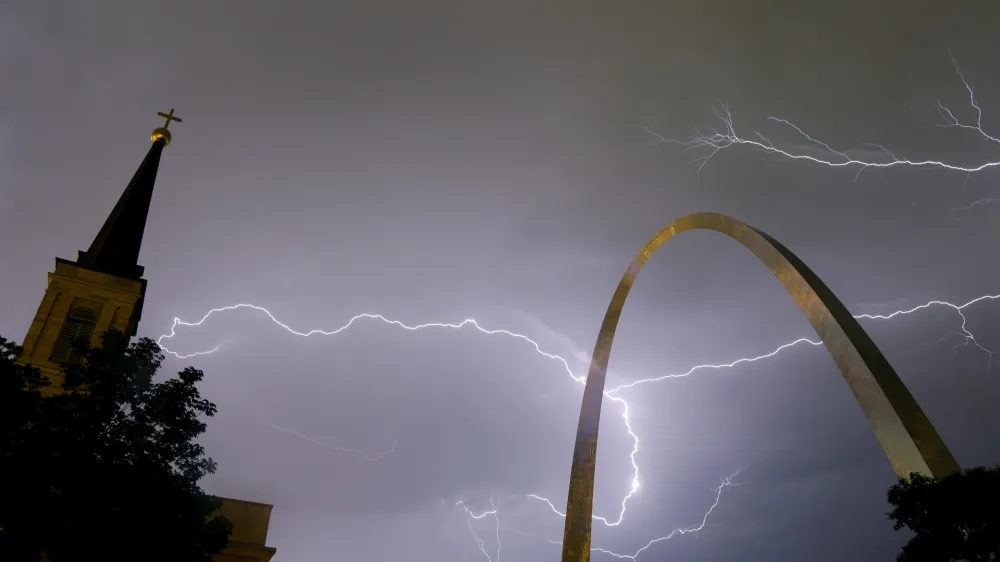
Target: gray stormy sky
433, 161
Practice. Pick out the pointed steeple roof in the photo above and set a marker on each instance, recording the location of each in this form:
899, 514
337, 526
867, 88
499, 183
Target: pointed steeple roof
115, 250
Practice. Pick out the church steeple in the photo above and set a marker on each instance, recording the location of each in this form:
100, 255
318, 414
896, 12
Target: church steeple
104, 288
115, 250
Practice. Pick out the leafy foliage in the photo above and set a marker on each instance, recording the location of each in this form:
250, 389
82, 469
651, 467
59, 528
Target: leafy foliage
107, 469
956, 518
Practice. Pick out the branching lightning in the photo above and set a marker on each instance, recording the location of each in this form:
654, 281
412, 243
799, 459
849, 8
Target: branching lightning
496, 517
468, 321
726, 483
612, 394
963, 332
717, 140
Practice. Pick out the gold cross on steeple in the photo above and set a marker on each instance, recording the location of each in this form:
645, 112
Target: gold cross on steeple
170, 117
161, 134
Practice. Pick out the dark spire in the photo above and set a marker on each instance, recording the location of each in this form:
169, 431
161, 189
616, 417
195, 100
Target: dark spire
115, 250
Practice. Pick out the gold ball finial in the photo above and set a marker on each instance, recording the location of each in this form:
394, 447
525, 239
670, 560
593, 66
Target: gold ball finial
161, 134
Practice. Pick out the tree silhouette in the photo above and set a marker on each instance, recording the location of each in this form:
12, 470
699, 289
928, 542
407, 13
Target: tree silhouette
107, 469
953, 519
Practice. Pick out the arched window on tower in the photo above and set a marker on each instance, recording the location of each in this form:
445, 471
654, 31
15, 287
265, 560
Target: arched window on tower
79, 324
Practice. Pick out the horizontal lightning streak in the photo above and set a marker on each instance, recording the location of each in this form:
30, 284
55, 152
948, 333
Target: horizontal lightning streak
965, 333
366, 456
286, 327
976, 203
609, 394
968, 336
719, 140
467, 322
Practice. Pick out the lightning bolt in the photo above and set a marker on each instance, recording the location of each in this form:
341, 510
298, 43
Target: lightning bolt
964, 331
612, 394
976, 203
726, 482
361, 452
496, 517
196, 353
467, 322
718, 140
958, 308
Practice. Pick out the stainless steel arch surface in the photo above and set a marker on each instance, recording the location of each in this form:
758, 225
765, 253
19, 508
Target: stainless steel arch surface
910, 441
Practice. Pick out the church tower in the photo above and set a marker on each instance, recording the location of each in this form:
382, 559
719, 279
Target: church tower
103, 288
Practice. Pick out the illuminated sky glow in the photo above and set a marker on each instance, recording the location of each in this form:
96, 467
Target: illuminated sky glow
439, 161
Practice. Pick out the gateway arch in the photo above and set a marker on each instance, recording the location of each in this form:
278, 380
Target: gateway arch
910, 441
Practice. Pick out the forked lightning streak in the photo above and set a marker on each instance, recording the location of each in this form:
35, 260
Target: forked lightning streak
878, 156
612, 394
